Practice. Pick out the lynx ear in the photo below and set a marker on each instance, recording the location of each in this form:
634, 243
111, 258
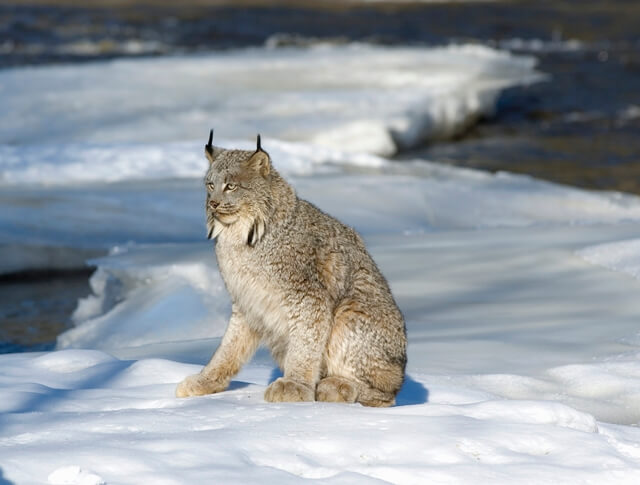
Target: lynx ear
260, 161
210, 151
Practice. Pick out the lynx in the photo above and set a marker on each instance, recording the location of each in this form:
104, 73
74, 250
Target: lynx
303, 284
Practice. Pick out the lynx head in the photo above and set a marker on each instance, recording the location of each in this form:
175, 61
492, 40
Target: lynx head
238, 190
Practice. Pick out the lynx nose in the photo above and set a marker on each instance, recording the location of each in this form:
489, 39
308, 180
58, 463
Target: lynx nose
214, 204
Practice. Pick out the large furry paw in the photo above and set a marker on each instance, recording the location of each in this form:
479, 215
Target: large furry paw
197, 385
288, 390
336, 389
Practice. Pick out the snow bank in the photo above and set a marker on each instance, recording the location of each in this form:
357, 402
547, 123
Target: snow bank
81, 414
81, 163
357, 97
149, 295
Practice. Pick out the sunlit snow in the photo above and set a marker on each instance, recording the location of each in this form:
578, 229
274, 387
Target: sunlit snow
520, 296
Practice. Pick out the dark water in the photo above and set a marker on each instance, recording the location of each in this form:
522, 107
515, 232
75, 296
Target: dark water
582, 127
36, 307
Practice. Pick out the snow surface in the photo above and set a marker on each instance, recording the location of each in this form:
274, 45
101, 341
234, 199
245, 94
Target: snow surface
520, 296
619, 256
84, 417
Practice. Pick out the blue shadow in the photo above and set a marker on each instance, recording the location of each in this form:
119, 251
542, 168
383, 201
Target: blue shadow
275, 373
95, 376
411, 393
232, 387
4, 481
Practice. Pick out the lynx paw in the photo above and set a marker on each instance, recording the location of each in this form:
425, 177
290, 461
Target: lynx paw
336, 389
288, 390
197, 385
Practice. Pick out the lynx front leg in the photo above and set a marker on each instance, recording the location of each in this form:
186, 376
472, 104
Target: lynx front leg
307, 341
238, 345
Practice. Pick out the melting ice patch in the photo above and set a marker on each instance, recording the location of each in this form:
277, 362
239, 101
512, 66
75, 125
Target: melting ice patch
354, 97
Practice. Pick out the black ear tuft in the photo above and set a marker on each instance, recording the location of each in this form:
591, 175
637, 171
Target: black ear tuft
259, 160
209, 147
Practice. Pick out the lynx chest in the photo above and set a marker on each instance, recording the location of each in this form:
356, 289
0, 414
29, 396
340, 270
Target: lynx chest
256, 292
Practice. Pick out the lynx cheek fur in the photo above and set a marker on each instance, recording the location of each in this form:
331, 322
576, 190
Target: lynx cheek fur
302, 283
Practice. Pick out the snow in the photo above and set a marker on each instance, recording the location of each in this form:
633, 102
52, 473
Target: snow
520, 351
621, 256
101, 419
520, 296
71, 475
366, 98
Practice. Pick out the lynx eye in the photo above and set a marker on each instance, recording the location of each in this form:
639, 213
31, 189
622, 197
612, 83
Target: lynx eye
210, 186
230, 187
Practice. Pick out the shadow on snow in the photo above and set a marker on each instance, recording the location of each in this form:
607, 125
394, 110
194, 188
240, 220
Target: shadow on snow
3, 480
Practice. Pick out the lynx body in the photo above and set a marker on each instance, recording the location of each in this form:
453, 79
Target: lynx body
302, 283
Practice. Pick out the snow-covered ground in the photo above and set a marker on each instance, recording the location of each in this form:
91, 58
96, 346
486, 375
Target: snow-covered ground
521, 296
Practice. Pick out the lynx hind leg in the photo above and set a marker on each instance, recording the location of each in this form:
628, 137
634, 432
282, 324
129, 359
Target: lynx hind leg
343, 390
381, 383
370, 396
370, 352
336, 389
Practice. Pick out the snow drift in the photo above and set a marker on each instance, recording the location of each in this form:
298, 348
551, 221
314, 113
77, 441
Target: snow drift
356, 97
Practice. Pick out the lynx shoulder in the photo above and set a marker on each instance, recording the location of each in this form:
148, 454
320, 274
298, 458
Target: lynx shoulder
300, 282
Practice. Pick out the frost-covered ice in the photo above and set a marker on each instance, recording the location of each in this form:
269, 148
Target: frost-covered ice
524, 346
357, 97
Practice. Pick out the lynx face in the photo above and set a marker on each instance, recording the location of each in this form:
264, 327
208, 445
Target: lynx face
226, 194
236, 185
